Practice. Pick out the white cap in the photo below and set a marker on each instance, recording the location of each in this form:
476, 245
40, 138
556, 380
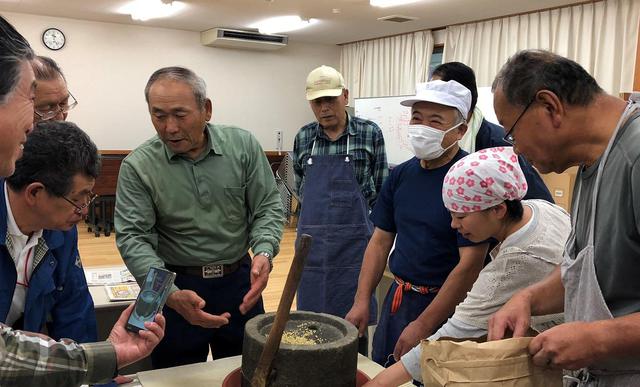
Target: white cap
449, 93
324, 81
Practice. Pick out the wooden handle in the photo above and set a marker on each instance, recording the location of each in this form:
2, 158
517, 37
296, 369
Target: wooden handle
272, 344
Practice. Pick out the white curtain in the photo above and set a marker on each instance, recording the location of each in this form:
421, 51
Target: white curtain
387, 66
601, 37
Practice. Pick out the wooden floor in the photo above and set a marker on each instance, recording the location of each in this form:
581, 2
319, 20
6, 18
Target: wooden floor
102, 251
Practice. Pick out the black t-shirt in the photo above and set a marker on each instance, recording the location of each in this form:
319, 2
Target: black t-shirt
410, 205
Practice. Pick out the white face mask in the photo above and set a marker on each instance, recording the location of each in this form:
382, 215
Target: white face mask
427, 141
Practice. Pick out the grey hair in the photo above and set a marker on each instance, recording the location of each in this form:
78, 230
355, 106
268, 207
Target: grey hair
14, 52
181, 74
46, 69
530, 71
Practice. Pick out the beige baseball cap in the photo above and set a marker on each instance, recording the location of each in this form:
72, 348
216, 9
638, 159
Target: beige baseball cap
324, 81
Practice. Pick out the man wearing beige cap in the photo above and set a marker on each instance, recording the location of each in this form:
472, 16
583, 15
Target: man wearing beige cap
340, 164
433, 265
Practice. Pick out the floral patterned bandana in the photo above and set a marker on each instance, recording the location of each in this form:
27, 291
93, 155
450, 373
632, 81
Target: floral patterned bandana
484, 179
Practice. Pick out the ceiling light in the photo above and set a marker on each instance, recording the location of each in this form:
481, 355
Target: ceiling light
282, 24
151, 9
390, 3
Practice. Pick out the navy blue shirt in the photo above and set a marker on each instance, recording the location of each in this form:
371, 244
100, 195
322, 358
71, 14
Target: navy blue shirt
410, 205
491, 135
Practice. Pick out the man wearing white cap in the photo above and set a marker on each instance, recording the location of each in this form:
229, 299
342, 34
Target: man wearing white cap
340, 164
434, 266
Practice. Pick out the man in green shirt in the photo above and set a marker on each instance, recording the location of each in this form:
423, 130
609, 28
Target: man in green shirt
193, 199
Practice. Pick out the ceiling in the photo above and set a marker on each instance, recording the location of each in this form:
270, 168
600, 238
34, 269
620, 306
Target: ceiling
341, 21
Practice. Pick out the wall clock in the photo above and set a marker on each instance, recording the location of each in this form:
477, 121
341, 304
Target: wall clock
53, 38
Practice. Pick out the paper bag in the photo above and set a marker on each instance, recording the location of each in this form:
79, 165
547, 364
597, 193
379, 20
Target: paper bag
504, 363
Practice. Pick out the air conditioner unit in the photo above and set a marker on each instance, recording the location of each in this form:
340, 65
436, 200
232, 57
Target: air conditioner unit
223, 37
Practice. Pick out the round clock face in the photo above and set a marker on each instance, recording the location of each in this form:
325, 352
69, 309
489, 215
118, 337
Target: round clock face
53, 38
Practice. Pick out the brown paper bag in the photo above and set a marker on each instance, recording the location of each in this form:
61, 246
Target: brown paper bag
504, 363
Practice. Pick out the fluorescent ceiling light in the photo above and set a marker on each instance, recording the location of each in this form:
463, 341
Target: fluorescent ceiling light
151, 9
390, 3
282, 24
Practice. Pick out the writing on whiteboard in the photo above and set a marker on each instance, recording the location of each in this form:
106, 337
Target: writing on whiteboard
393, 119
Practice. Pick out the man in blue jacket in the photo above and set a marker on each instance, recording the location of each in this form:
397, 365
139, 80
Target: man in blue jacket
42, 282
482, 134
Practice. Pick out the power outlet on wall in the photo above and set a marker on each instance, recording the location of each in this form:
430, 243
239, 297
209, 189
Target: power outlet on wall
279, 140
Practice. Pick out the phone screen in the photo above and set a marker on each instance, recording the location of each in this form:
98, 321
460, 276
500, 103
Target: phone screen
152, 297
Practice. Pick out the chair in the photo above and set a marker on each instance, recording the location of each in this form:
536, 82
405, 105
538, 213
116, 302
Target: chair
101, 212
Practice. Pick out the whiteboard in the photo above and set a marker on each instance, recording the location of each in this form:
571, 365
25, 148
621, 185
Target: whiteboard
394, 118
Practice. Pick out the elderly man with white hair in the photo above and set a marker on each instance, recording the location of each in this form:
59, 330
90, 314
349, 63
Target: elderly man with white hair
433, 265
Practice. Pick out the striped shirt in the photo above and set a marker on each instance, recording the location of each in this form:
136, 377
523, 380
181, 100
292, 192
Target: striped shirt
31, 359
366, 148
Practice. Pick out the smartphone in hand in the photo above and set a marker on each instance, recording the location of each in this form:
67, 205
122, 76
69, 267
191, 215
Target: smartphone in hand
151, 299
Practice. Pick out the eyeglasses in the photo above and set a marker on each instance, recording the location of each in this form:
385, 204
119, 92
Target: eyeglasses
62, 107
509, 136
79, 208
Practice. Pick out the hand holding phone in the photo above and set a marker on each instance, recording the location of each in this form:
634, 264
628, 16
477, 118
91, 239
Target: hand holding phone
133, 346
151, 299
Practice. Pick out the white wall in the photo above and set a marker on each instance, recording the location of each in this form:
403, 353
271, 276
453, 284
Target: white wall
107, 66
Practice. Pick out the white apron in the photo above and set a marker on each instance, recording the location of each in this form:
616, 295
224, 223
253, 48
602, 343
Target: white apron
583, 297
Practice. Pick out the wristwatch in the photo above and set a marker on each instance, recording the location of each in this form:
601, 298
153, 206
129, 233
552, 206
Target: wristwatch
269, 258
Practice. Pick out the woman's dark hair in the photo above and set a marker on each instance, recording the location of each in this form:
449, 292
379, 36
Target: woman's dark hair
55, 152
514, 210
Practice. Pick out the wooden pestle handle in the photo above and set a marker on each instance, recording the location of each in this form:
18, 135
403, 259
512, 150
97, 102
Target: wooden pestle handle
272, 343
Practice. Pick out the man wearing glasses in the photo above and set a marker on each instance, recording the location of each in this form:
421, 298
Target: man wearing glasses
40, 204
53, 99
32, 359
559, 117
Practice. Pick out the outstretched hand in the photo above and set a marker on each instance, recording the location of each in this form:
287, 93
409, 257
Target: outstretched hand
190, 305
260, 268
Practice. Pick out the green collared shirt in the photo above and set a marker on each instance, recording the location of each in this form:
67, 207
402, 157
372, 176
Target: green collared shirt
171, 209
26, 359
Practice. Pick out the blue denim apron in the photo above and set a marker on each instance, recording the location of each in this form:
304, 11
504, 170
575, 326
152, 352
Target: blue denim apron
391, 325
335, 213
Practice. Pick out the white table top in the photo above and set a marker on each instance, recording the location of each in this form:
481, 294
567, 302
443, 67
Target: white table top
211, 374
98, 292
100, 299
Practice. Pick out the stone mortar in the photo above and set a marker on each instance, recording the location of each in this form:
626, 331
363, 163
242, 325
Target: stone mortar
331, 363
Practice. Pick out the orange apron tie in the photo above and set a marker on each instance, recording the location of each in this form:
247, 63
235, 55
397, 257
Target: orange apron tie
405, 287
